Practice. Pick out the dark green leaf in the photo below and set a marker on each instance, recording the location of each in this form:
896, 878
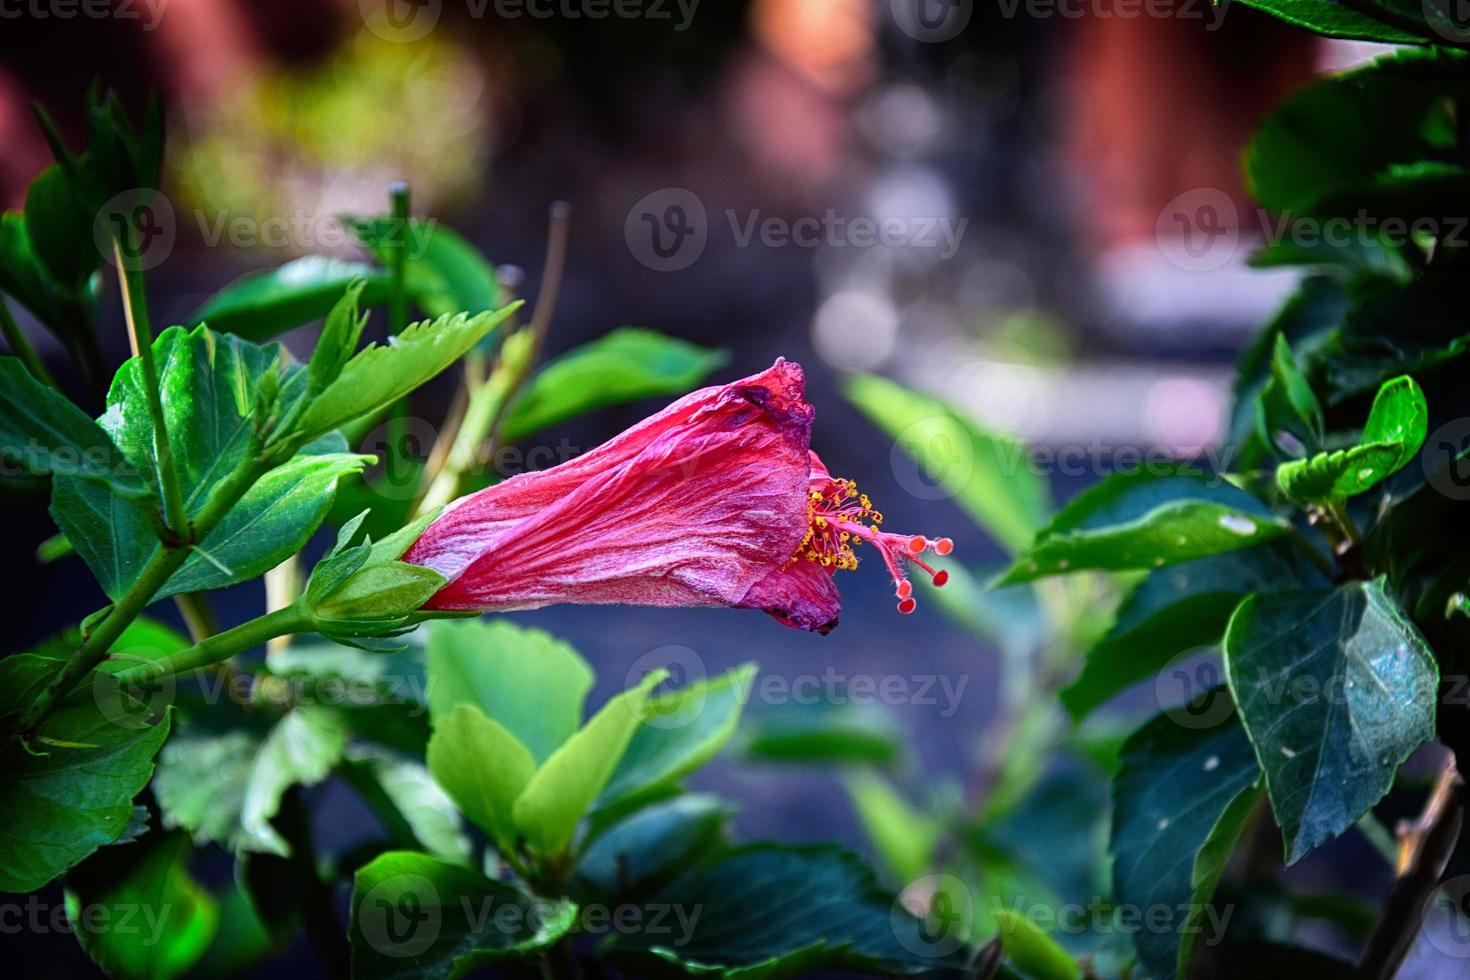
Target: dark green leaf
60, 230
652, 845
1287, 402
1336, 690
262, 305
1143, 520
414, 916
71, 789
822, 733
1335, 18
44, 433
986, 473
137, 911
681, 731
769, 910
622, 366
1175, 610
1179, 803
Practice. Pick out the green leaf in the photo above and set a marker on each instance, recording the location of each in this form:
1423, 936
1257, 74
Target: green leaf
1287, 402
443, 273
904, 837
681, 731
1180, 800
338, 341
60, 230
561, 791
1334, 18
1336, 690
427, 811
483, 768
384, 591
415, 916
379, 376
1397, 426
1035, 954
137, 911
652, 845
227, 787
71, 790
1175, 610
1335, 136
823, 733
986, 473
622, 366
769, 911
525, 679
272, 522
44, 433
1143, 520
262, 305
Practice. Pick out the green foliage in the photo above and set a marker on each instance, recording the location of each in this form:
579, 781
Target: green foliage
444, 273
1392, 437
622, 366
1143, 520
261, 305
68, 788
1187, 781
1336, 689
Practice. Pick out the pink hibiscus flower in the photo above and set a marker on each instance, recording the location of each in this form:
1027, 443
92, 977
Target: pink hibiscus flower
717, 500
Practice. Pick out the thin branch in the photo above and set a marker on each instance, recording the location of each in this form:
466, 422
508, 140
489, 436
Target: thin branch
21, 347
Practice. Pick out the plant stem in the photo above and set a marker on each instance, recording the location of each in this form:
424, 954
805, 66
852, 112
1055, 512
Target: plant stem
21, 346
164, 561
398, 195
199, 618
140, 333
221, 646
1425, 850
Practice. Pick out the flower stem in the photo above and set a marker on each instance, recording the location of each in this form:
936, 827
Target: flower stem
398, 195
221, 646
140, 333
21, 347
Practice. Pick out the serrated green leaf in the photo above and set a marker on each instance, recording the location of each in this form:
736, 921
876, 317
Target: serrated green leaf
483, 767
415, 916
261, 305
987, 473
44, 433
525, 679
227, 787
1175, 610
563, 789
1336, 689
338, 341
1180, 800
379, 376
681, 731
1146, 520
769, 911
170, 918
622, 366
72, 791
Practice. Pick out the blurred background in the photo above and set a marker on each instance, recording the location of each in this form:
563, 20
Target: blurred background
1030, 209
